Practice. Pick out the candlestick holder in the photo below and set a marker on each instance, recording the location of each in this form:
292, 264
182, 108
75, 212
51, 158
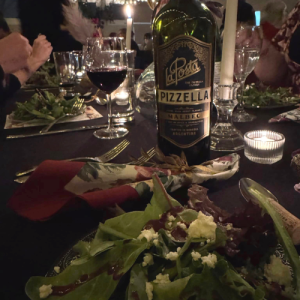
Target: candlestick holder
224, 136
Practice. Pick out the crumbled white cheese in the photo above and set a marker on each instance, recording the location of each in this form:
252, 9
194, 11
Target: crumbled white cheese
171, 218
276, 271
162, 279
148, 234
244, 270
181, 225
210, 260
195, 255
170, 224
45, 291
229, 226
172, 255
203, 227
149, 290
208, 241
202, 244
156, 242
168, 233
178, 249
57, 269
148, 260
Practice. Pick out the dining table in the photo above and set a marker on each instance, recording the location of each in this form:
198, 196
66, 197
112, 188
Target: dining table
30, 248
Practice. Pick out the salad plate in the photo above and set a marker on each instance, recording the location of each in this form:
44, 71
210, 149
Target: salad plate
269, 98
174, 252
44, 77
69, 256
44, 108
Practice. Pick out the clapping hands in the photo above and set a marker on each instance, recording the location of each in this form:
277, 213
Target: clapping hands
41, 51
15, 51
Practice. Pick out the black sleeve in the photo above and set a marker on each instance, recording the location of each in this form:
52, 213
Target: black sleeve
12, 86
9, 84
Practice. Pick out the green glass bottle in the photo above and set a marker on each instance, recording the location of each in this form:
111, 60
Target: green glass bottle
184, 34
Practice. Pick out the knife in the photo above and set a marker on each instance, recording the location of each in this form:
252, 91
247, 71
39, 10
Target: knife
22, 179
20, 136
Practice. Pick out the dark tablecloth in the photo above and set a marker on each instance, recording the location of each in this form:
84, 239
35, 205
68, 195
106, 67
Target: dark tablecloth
29, 248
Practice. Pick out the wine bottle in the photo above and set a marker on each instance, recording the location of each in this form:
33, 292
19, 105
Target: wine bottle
184, 33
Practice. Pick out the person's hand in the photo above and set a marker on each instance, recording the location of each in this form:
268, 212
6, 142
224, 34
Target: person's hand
40, 53
14, 53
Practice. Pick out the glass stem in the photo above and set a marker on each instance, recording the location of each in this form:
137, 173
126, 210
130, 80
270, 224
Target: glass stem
240, 106
110, 121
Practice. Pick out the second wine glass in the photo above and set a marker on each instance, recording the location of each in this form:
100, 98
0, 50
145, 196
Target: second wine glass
106, 66
247, 52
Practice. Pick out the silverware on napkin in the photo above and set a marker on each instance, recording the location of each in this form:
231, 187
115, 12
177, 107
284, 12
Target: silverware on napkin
140, 161
20, 136
106, 157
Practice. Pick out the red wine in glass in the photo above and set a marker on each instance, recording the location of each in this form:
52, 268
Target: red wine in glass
107, 79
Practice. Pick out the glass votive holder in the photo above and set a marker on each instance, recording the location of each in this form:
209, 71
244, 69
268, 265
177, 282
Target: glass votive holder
263, 146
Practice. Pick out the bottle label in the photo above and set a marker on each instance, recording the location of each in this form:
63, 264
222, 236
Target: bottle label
184, 90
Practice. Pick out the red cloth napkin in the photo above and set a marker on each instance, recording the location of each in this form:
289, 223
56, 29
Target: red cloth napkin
43, 194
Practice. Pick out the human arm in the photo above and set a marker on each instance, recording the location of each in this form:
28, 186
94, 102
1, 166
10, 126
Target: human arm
14, 53
40, 53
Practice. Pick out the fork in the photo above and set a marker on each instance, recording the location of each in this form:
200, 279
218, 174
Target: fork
103, 158
143, 159
75, 111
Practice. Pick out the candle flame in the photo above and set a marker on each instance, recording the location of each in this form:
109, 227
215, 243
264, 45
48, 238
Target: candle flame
128, 11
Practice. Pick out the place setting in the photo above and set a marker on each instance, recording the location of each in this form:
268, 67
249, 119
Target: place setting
192, 180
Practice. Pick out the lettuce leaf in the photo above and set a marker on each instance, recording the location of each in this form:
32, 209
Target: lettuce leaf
101, 287
283, 236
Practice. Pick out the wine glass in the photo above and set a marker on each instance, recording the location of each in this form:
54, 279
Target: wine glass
106, 67
247, 52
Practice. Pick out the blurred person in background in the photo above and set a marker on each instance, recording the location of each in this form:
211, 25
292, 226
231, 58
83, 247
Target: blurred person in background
4, 29
147, 42
287, 42
271, 61
113, 34
245, 16
46, 17
274, 13
134, 45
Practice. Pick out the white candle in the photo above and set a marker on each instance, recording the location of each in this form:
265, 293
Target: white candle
129, 27
227, 64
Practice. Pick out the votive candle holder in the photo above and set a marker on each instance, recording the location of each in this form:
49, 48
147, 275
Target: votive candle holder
264, 146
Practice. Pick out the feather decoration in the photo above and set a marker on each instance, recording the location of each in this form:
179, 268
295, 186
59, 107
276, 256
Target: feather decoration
78, 26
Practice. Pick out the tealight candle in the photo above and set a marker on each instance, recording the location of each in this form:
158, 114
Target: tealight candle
263, 146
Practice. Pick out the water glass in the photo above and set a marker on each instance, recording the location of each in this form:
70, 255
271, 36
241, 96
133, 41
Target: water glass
247, 52
123, 98
65, 68
80, 72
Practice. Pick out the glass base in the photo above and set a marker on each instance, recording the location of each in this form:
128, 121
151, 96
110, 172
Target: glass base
225, 137
241, 116
110, 134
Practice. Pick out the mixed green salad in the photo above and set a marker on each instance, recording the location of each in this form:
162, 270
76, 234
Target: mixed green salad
257, 97
44, 76
175, 252
44, 106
